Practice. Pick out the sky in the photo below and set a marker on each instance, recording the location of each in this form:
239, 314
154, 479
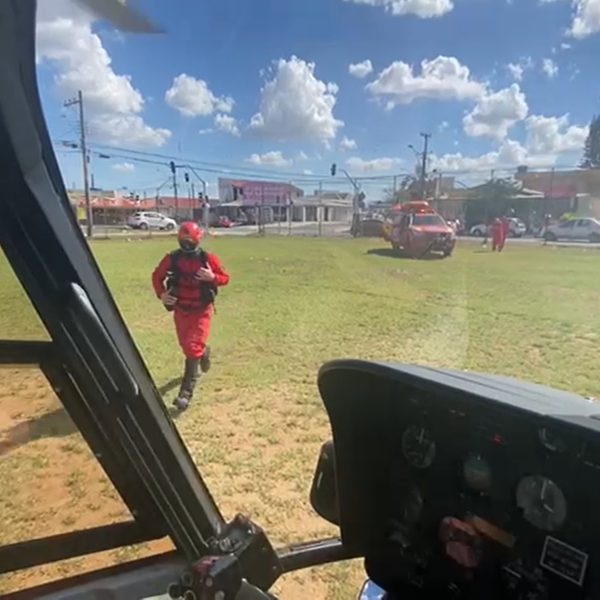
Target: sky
283, 89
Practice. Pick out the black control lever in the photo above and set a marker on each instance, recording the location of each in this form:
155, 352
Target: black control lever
241, 564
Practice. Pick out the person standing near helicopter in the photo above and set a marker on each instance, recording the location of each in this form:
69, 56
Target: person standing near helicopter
186, 281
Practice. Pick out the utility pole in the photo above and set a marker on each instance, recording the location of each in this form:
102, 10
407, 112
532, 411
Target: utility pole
425, 137
320, 209
290, 214
174, 173
84, 155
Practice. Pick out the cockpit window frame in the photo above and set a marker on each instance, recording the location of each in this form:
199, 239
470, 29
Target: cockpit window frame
104, 383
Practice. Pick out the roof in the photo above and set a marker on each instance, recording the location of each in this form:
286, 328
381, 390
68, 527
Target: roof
124, 202
331, 200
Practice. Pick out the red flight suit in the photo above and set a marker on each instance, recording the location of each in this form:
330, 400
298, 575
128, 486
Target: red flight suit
192, 312
497, 235
505, 231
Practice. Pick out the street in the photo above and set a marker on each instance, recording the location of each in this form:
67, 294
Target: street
326, 229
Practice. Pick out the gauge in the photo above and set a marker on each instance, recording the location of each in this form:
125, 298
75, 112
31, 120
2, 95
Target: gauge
477, 473
410, 504
418, 447
551, 440
542, 502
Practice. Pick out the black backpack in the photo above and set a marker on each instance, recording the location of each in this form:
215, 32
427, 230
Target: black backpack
208, 291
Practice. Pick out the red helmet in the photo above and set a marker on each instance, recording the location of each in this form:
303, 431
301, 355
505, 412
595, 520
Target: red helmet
189, 235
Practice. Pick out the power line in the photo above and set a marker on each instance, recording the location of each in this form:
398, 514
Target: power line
233, 172
225, 168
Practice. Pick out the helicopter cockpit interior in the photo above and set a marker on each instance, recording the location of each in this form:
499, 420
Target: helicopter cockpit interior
450, 484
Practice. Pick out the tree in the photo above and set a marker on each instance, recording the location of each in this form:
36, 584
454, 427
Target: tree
591, 152
492, 199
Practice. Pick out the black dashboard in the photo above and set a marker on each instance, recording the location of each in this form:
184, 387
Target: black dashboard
464, 485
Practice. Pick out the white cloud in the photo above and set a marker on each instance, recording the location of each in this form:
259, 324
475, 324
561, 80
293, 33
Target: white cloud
227, 124
443, 126
193, 98
517, 70
272, 159
302, 156
496, 113
550, 68
548, 139
359, 165
348, 144
586, 19
124, 167
361, 69
443, 78
425, 9
112, 104
127, 130
509, 155
296, 105
554, 135
307, 172
565, 46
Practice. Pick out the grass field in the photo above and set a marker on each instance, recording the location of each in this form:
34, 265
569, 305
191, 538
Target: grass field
293, 304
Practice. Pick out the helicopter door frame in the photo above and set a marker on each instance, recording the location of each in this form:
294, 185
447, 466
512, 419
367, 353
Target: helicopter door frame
104, 383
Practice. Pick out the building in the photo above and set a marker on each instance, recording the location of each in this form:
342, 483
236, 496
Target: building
109, 208
575, 190
255, 192
325, 206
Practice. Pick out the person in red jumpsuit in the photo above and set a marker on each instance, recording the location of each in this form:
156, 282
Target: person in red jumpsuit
497, 235
186, 281
505, 231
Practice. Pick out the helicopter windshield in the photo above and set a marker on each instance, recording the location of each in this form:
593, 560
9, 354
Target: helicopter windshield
151, 403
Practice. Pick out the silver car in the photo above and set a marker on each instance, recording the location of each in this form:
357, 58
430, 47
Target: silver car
516, 229
151, 220
574, 229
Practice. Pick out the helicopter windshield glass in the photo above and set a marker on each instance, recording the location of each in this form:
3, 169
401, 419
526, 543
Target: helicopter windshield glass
52, 483
290, 134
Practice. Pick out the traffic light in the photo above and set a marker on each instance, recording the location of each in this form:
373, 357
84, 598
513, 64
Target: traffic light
172, 166
333, 169
187, 177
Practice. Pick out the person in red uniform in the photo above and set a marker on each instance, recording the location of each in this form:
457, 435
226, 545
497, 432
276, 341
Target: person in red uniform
186, 281
497, 235
505, 231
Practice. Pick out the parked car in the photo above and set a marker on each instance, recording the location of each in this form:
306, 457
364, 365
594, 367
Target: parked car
151, 220
574, 229
223, 221
516, 228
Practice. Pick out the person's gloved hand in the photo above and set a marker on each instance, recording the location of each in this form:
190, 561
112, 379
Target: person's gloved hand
205, 274
167, 299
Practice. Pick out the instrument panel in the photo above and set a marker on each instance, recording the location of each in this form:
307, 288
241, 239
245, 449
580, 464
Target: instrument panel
466, 485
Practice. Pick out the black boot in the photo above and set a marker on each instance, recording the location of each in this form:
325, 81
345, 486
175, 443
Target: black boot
205, 360
190, 378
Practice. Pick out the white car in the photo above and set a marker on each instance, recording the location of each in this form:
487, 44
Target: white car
151, 220
574, 229
516, 228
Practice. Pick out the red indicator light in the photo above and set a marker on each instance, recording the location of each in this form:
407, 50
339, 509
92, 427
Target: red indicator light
498, 439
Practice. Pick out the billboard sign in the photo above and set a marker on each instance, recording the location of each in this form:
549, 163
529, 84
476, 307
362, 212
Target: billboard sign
251, 193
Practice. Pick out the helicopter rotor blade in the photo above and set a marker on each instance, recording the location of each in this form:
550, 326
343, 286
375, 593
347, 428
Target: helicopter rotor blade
123, 17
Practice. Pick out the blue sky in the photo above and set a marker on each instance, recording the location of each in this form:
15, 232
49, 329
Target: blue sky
267, 86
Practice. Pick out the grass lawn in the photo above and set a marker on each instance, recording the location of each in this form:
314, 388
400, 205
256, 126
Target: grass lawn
293, 303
